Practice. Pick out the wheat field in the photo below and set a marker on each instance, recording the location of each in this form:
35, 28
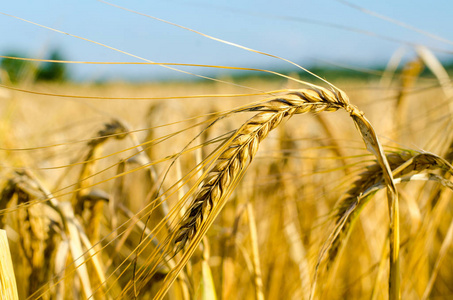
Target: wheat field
230, 187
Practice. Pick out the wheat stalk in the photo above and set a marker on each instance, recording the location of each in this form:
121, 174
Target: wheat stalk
242, 148
233, 158
238, 152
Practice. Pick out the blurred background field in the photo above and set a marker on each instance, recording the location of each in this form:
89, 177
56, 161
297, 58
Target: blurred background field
87, 149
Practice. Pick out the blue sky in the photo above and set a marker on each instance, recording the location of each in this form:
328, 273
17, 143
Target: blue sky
306, 32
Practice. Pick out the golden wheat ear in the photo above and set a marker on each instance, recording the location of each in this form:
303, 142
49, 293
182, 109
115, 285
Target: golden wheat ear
241, 149
405, 165
50, 235
238, 152
232, 160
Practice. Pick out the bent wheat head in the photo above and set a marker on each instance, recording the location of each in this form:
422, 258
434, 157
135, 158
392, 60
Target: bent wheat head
242, 147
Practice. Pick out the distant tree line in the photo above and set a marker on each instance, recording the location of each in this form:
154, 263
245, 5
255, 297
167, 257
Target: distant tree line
18, 70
